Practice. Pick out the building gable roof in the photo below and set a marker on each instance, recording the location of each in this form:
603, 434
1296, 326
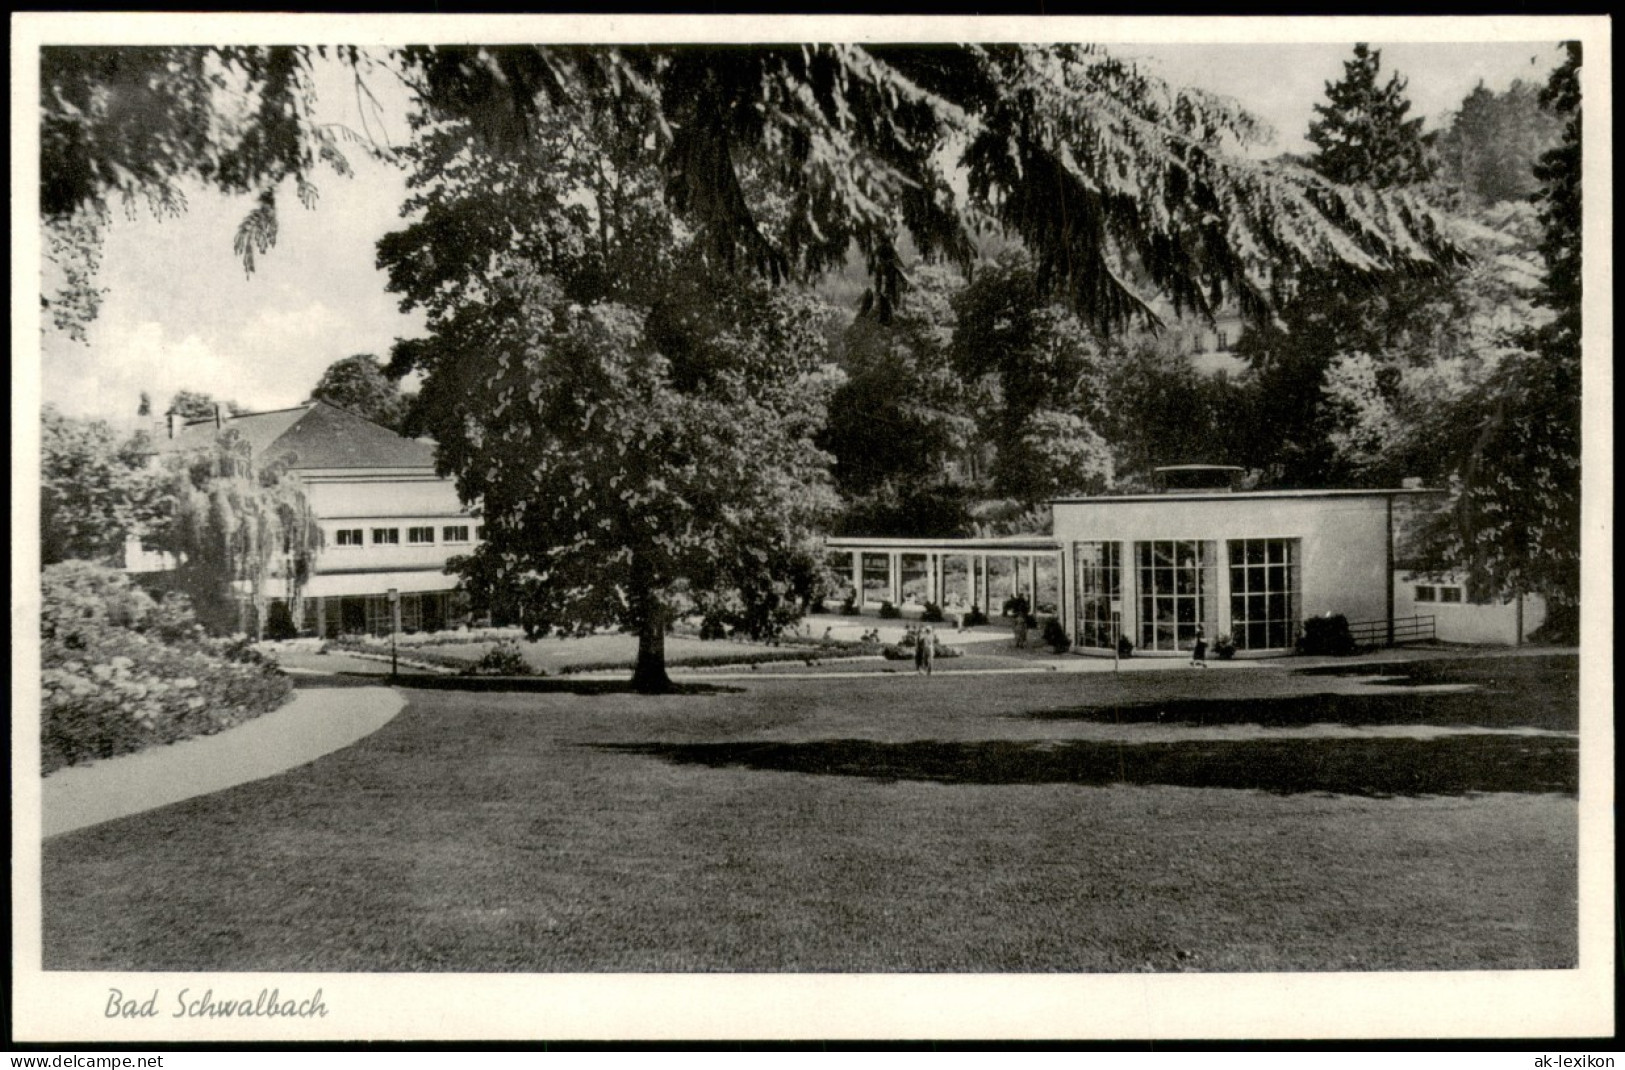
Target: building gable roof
316, 435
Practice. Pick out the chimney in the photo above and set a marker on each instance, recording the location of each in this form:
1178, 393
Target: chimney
217, 422
170, 416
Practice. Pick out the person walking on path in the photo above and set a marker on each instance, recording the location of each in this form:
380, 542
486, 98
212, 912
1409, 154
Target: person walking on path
1199, 649
926, 648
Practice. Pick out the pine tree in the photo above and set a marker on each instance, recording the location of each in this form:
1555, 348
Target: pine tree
1362, 135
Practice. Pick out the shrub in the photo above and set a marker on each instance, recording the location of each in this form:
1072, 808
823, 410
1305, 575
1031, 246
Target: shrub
279, 623
975, 617
903, 650
849, 606
889, 611
1326, 635
932, 614
1055, 636
1224, 647
1017, 606
1125, 647
120, 672
504, 659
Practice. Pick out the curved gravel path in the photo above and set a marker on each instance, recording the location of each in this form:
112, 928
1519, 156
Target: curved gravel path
316, 721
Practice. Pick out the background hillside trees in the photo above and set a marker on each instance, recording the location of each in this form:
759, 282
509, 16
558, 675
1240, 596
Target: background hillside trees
1514, 439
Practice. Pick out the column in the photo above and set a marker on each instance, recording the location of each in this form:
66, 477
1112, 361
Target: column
894, 576
321, 618
857, 578
1032, 583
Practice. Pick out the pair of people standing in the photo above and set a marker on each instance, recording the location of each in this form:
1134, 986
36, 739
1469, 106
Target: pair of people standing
925, 650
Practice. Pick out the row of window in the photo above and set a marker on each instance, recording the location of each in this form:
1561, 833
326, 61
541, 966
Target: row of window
1178, 585
422, 535
1435, 593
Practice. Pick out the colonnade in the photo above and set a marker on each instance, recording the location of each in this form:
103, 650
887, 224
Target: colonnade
982, 586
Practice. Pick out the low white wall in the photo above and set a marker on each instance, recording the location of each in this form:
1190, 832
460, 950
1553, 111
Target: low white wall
1466, 622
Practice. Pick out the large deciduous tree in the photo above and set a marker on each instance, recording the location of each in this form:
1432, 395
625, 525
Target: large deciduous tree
635, 422
92, 489
358, 384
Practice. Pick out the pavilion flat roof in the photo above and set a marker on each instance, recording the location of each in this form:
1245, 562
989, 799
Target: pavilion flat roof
1004, 544
1247, 495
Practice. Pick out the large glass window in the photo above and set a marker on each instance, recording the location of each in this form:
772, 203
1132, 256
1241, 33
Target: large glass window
1176, 585
1264, 592
1099, 574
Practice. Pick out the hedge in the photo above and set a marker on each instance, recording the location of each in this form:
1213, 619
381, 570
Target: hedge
120, 672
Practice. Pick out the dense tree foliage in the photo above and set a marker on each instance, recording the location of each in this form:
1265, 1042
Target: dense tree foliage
1361, 330
124, 126
1515, 439
904, 414
1043, 379
635, 423
198, 405
1363, 137
91, 489
1162, 410
781, 158
229, 519
358, 383
1487, 153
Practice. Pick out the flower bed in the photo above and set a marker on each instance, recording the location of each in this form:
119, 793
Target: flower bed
810, 655
414, 656
120, 673
728, 653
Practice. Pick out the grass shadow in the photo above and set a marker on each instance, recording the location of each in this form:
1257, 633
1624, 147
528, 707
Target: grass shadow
1456, 709
538, 685
1451, 765
1525, 692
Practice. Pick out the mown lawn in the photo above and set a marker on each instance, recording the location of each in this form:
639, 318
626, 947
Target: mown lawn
1034, 823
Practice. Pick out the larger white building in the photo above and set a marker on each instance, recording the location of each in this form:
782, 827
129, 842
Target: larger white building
388, 521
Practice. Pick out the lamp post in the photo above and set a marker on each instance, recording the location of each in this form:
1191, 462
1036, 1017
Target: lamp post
394, 627
1117, 636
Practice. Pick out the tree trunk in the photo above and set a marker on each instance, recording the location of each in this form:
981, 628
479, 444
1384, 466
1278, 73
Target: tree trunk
649, 677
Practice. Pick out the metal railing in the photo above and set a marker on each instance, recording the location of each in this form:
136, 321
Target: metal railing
1406, 630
